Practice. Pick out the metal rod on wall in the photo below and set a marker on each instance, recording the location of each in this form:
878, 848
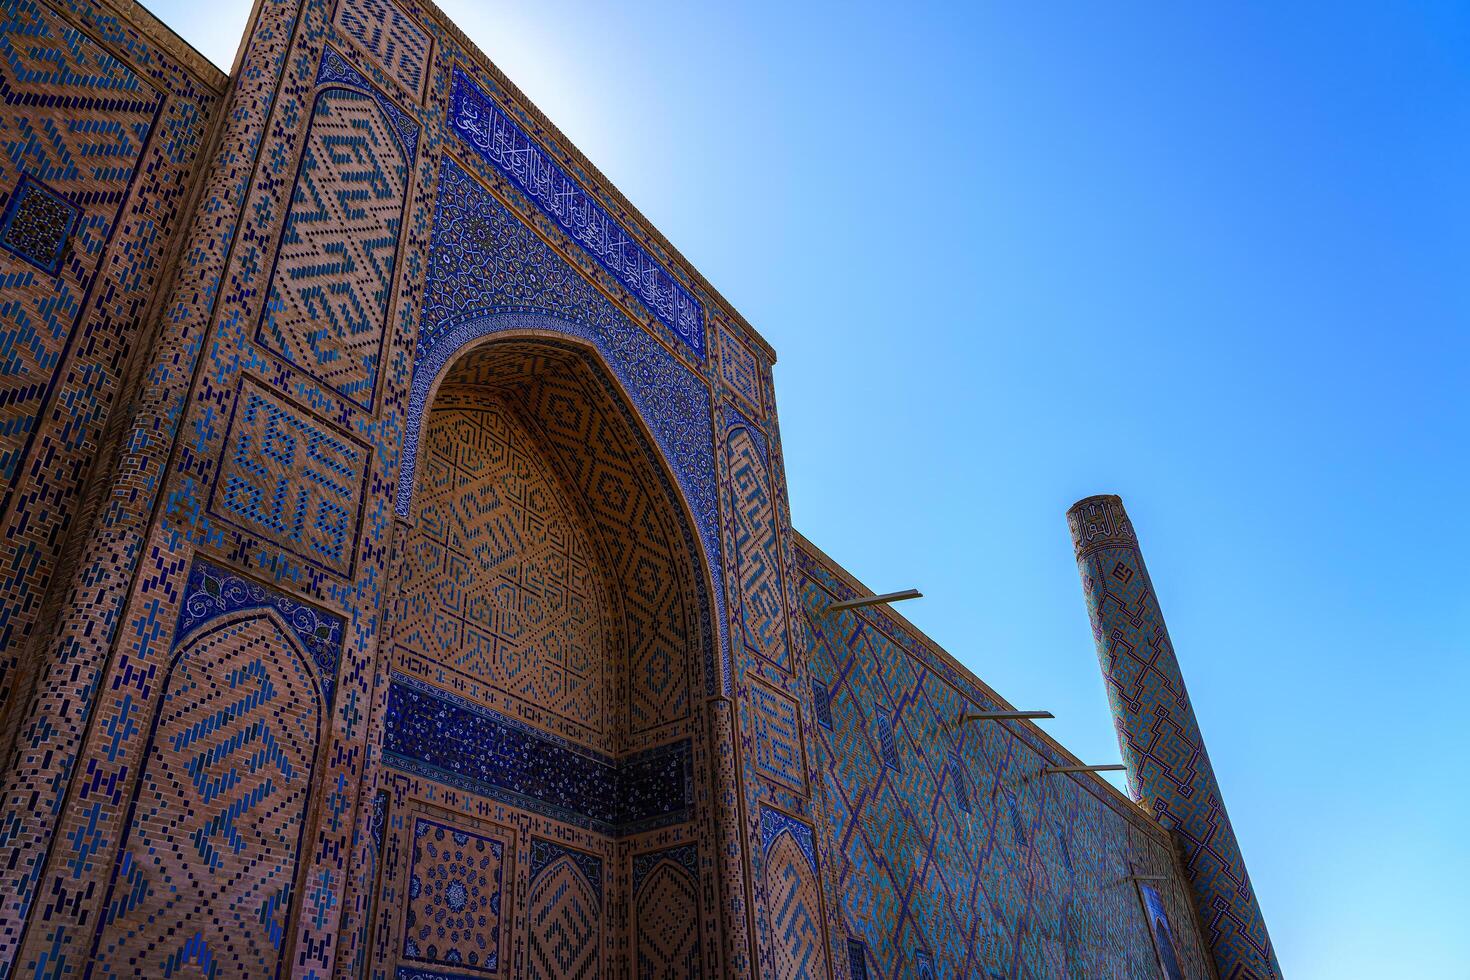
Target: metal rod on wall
1104, 768
1004, 715
875, 600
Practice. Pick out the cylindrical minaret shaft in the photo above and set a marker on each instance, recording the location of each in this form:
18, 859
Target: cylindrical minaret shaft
1168, 767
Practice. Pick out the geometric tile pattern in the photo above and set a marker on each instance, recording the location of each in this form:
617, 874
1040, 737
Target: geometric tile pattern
488, 271
821, 705
502, 594
329, 293
757, 551
776, 728
206, 878
391, 38
112, 120
628, 511
200, 789
37, 223
481, 123
564, 919
666, 915
792, 898
1168, 767
453, 915
1030, 880
546, 852
74, 121
739, 369
288, 477
212, 591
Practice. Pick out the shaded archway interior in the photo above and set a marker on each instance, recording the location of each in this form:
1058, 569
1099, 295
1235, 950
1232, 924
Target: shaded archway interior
550, 626
543, 523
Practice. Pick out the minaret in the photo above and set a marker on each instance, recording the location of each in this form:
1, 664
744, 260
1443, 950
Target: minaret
1168, 768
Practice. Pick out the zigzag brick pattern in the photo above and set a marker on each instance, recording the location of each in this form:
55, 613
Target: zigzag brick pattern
74, 123
666, 915
334, 273
206, 878
1168, 766
793, 899
394, 41
762, 617
564, 921
109, 117
503, 596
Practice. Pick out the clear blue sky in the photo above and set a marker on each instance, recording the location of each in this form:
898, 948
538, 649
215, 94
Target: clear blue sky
1014, 254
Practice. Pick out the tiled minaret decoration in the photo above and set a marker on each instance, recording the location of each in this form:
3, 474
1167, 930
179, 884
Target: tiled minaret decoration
1168, 767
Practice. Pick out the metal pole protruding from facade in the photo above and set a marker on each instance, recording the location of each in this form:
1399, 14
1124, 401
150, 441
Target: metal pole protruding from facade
1168, 767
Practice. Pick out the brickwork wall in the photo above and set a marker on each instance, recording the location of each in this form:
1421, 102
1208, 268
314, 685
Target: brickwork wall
103, 117
955, 854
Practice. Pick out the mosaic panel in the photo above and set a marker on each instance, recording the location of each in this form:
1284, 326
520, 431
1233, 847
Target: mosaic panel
453, 913
564, 917
821, 704
206, 878
1167, 764
887, 744
502, 598
290, 478
36, 224
757, 550
775, 726
392, 38
739, 369
456, 742
476, 118
666, 915
793, 898
329, 292
212, 590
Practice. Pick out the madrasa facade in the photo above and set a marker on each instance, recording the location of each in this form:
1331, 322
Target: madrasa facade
397, 577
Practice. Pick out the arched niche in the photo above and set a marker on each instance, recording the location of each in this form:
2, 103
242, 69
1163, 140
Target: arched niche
551, 402
551, 634
209, 872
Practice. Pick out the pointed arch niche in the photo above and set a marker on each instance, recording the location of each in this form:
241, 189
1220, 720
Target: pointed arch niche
551, 631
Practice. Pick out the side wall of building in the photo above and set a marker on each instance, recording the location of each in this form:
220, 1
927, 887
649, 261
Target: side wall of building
955, 855
104, 116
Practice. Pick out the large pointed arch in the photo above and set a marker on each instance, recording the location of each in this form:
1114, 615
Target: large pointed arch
479, 349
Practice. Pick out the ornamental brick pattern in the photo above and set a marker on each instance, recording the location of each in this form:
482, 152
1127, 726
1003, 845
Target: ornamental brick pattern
1168, 766
950, 846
